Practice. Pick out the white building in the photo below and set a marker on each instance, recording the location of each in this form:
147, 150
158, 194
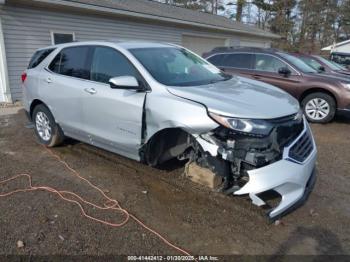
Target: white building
26, 25
342, 47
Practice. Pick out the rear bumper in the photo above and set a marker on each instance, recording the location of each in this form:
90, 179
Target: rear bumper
289, 178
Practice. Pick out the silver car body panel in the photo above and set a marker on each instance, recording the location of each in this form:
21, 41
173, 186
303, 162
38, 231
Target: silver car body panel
112, 119
286, 176
238, 98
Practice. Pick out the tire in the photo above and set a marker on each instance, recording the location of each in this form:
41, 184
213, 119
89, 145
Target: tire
46, 129
319, 107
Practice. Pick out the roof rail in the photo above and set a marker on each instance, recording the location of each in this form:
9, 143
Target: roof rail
245, 48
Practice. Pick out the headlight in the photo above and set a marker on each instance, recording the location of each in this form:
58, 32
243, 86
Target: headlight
346, 85
252, 126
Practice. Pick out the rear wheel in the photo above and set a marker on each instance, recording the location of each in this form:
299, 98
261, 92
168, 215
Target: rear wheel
48, 132
319, 107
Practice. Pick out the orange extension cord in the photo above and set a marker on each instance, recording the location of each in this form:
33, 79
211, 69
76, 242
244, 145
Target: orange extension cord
111, 205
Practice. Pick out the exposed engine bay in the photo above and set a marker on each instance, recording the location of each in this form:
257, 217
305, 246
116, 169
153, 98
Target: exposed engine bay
281, 161
239, 152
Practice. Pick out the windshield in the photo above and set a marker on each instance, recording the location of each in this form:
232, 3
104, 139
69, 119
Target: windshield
302, 66
173, 66
331, 64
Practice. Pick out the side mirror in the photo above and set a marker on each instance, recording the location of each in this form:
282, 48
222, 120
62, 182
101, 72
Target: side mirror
124, 82
284, 71
321, 69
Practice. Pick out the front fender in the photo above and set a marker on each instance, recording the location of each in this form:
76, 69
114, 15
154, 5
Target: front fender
166, 111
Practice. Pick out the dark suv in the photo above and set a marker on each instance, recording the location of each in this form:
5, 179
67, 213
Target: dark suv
320, 95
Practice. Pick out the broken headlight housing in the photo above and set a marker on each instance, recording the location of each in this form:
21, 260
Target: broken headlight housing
250, 126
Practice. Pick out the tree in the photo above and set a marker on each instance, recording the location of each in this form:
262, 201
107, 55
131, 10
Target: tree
304, 25
344, 21
240, 6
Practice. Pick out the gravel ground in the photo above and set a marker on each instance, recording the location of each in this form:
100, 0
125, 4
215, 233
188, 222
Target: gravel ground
194, 218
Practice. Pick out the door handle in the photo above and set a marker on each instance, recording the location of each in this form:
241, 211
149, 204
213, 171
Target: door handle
48, 80
91, 91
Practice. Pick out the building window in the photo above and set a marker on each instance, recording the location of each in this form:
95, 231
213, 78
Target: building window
62, 37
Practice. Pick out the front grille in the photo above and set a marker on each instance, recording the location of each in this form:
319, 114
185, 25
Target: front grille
287, 129
302, 148
288, 132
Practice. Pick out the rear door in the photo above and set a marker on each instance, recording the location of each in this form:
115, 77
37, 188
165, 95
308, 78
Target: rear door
63, 84
266, 69
113, 117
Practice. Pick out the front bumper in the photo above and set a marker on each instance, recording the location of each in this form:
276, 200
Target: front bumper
292, 179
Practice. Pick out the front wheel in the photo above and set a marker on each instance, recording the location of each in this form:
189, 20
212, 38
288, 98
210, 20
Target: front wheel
319, 107
47, 130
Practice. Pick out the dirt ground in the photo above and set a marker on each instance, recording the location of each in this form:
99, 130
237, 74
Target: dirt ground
200, 221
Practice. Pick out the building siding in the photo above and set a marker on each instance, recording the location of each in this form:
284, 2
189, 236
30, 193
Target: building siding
27, 29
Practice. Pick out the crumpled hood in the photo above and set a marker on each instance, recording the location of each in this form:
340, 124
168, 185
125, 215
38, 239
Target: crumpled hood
241, 97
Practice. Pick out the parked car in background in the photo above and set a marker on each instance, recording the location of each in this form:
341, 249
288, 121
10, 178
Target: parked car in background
323, 65
155, 102
320, 95
341, 58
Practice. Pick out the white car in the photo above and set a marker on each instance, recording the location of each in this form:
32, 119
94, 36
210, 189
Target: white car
153, 102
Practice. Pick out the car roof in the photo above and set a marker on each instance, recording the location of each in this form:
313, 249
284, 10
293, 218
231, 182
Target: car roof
228, 49
122, 44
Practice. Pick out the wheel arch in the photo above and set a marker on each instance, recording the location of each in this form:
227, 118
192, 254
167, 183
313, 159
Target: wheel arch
159, 148
318, 90
33, 104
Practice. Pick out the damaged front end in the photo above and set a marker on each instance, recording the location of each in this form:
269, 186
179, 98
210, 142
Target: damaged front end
281, 159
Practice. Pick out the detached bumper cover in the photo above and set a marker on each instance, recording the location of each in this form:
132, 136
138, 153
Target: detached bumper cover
292, 179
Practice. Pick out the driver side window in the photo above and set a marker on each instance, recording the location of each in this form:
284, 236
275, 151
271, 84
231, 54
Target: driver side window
108, 63
269, 63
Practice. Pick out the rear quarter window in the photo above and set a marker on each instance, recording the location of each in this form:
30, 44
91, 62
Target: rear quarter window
38, 57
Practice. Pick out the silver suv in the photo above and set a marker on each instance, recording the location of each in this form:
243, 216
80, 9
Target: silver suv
154, 102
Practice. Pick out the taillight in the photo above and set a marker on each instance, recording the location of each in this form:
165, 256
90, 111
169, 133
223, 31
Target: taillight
24, 77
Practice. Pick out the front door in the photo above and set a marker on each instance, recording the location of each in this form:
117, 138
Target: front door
266, 69
113, 117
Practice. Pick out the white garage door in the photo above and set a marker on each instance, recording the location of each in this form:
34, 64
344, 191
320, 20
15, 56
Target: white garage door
254, 44
200, 45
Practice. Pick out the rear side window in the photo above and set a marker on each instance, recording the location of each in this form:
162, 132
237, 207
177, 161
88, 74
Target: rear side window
216, 59
72, 61
108, 63
38, 57
243, 61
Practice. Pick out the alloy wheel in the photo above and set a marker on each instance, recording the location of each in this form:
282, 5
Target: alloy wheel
43, 126
317, 109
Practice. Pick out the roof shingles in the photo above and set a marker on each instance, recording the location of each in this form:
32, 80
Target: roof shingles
157, 9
